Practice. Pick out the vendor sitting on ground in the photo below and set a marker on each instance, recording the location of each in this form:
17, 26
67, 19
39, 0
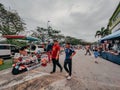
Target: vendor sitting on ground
22, 52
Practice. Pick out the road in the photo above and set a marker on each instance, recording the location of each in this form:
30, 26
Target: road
87, 75
104, 75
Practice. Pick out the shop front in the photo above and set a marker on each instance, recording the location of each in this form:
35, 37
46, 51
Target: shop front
111, 47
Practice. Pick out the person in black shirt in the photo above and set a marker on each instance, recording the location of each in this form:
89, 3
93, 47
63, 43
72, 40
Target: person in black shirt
49, 50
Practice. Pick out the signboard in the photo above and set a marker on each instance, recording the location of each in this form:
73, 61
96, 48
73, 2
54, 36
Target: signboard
115, 20
117, 27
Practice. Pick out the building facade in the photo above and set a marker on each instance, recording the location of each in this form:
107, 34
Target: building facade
114, 21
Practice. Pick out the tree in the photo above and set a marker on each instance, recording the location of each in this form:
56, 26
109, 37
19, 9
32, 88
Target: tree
10, 22
61, 37
53, 33
73, 40
103, 32
42, 33
46, 34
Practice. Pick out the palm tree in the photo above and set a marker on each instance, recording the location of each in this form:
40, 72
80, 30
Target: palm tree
102, 33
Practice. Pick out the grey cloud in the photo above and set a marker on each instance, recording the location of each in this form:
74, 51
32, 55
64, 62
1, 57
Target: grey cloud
79, 18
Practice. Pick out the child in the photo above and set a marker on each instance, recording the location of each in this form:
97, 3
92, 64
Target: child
96, 54
68, 60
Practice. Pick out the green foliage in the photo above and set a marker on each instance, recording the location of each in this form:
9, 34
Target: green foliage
16, 42
103, 32
7, 64
10, 22
46, 34
73, 40
49, 33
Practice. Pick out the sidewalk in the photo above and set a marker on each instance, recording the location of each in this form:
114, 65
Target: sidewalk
29, 78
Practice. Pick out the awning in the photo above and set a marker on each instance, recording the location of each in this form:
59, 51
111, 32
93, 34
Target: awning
13, 36
20, 37
32, 39
111, 36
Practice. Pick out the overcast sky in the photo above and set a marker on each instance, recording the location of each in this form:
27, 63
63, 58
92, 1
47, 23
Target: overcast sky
78, 18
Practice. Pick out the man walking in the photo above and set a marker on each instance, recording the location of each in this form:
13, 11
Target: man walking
87, 50
68, 60
55, 56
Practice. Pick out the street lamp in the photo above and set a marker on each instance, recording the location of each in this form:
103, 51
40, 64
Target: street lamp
48, 24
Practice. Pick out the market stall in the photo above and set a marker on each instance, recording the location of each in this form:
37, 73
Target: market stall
28, 62
113, 36
111, 47
23, 61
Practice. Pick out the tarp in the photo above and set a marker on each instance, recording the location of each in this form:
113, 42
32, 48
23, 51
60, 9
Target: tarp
111, 36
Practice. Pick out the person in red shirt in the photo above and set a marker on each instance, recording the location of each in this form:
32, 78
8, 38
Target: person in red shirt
55, 56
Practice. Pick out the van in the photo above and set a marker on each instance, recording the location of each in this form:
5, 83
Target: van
5, 51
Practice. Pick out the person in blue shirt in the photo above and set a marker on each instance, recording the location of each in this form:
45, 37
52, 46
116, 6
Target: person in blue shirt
69, 53
96, 54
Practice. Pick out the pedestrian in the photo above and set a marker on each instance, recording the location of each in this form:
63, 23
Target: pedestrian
87, 50
69, 52
96, 54
55, 56
49, 51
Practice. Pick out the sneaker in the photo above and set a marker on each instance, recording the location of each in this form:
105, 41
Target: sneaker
52, 72
69, 77
96, 62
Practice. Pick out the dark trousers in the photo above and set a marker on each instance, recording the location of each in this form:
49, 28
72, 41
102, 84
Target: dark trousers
56, 62
68, 67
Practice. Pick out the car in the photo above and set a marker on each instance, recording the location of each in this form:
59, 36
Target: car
14, 49
36, 49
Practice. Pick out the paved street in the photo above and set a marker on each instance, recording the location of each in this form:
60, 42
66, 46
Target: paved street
87, 75
102, 75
